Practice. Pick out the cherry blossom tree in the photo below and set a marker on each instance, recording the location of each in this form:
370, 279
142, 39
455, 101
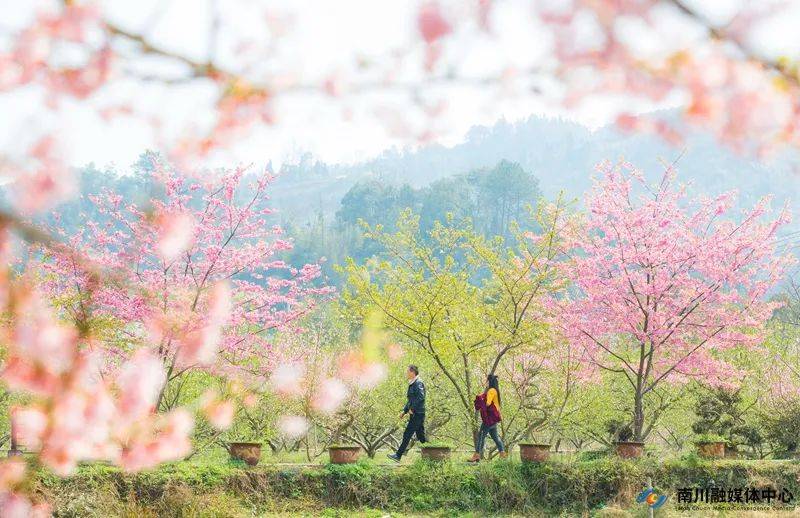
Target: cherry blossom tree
664, 283
202, 256
72, 410
103, 321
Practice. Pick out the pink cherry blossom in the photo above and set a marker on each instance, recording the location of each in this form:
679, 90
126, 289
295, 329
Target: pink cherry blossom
394, 351
175, 232
432, 24
293, 426
140, 380
12, 472
287, 378
17, 506
218, 411
329, 396
357, 369
662, 283
182, 306
46, 181
166, 438
29, 425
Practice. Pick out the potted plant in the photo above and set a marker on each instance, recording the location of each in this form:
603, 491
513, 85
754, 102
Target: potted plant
436, 451
344, 453
710, 446
622, 433
248, 452
535, 451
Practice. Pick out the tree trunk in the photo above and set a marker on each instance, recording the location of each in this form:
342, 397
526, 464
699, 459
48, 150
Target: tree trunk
638, 415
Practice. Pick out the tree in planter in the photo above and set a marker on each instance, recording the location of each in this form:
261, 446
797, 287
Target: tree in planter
663, 282
369, 416
619, 431
171, 262
464, 301
325, 384
673, 429
538, 396
724, 412
582, 426
371, 421
780, 423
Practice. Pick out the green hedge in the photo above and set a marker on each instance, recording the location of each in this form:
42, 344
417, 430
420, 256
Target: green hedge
186, 489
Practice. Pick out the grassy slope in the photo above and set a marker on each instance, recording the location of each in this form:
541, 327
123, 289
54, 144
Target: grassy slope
605, 486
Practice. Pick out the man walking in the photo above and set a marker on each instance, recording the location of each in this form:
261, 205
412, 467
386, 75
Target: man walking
415, 407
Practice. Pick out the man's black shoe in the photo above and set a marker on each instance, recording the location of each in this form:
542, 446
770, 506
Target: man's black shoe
395, 457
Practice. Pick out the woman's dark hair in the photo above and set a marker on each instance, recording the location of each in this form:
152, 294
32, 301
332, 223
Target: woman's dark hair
493, 383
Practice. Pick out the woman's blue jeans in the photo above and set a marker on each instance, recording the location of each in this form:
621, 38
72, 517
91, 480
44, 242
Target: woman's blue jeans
489, 430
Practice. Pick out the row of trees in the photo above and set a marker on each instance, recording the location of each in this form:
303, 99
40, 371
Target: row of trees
651, 307
183, 305
491, 198
756, 411
647, 292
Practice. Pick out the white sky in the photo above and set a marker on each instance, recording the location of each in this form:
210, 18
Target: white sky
323, 39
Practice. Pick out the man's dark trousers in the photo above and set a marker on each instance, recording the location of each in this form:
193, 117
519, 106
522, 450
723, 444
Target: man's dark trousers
416, 425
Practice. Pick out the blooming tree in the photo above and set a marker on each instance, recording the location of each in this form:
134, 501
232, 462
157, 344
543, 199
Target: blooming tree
145, 296
663, 283
196, 276
73, 411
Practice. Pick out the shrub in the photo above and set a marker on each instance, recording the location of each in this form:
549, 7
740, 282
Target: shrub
619, 431
705, 438
556, 487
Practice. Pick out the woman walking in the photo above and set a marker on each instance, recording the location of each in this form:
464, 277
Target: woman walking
488, 404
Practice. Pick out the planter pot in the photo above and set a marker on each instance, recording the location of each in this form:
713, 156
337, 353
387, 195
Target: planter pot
711, 450
534, 452
438, 453
344, 454
629, 450
249, 452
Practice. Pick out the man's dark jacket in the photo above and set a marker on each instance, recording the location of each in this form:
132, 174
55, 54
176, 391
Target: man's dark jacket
416, 398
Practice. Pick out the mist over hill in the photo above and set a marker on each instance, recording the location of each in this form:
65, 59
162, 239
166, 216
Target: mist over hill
562, 155
490, 178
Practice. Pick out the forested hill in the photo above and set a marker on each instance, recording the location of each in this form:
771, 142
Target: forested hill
490, 178
561, 155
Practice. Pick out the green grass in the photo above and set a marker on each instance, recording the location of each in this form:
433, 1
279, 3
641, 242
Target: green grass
604, 486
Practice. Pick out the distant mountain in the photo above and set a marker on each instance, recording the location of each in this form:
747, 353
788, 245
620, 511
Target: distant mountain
561, 154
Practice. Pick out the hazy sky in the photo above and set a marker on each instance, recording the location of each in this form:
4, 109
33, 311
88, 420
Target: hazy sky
322, 41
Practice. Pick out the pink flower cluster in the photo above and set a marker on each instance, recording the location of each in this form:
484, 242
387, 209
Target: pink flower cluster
78, 413
748, 101
190, 281
662, 283
176, 265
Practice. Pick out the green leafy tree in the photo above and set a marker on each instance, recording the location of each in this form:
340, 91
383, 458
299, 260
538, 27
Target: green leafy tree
467, 302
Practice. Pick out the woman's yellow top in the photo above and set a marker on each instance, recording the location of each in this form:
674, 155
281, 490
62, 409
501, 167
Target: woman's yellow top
491, 397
